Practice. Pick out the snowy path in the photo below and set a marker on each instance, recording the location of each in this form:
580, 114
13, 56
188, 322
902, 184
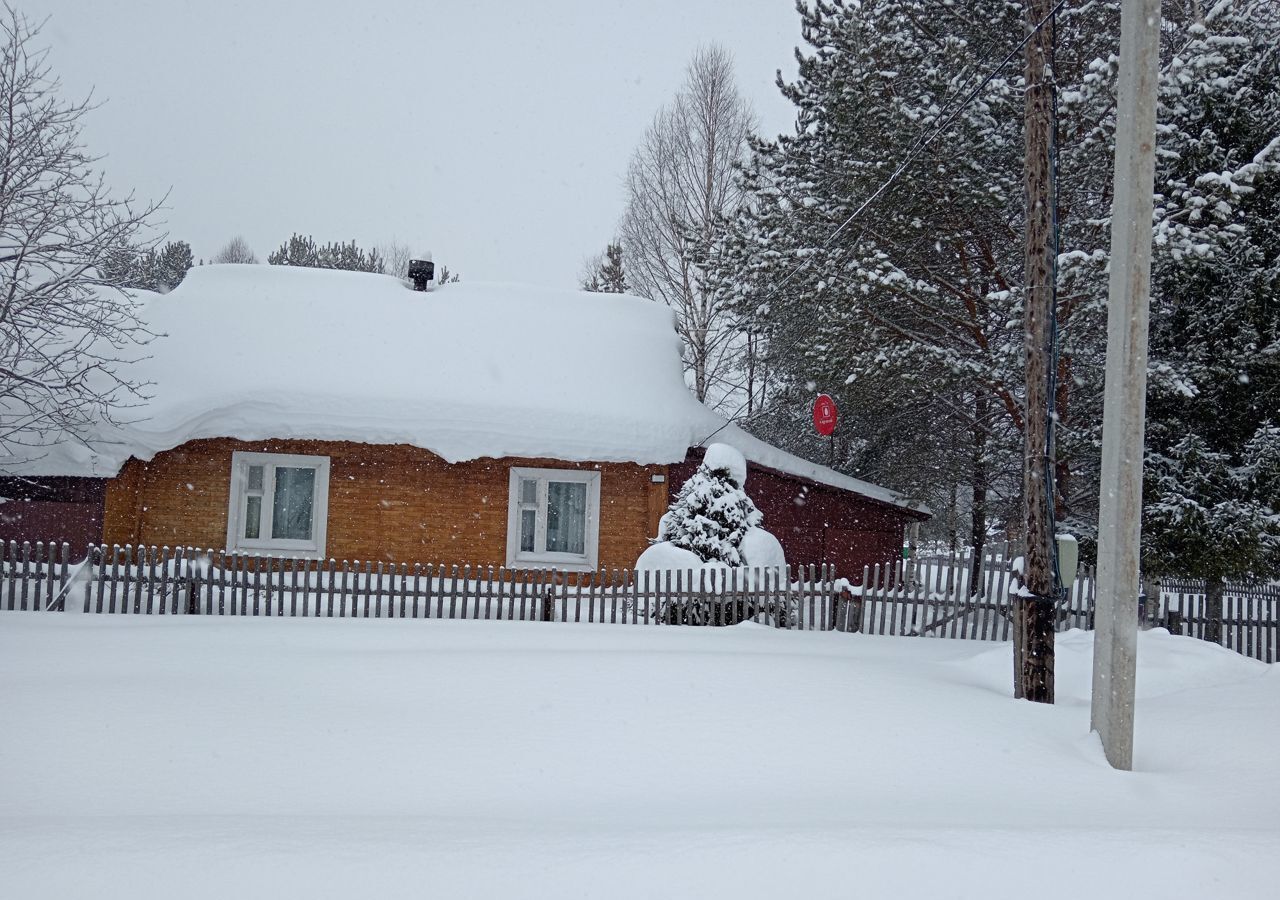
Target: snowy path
147, 757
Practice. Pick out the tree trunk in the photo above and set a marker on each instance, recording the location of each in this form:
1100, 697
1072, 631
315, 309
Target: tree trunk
1033, 615
953, 526
980, 482
1213, 588
1033, 649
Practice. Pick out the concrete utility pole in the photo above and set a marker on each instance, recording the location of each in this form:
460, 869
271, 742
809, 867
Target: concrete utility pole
1124, 406
1033, 615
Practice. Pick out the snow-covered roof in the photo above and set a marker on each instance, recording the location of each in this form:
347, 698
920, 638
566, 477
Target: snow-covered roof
466, 371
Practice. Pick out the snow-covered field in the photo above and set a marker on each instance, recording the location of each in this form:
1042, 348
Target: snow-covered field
211, 758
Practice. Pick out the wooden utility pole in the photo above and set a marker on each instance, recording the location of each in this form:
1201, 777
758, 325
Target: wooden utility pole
1124, 405
1033, 610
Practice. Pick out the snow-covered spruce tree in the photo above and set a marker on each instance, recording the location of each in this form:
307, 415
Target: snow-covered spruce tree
64, 325
711, 514
1212, 500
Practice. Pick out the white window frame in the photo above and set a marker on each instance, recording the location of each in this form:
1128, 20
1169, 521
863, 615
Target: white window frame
240, 463
538, 559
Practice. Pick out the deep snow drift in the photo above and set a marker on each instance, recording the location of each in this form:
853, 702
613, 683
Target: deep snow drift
211, 758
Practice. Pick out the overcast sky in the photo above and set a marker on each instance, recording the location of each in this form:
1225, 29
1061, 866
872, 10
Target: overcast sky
493, 134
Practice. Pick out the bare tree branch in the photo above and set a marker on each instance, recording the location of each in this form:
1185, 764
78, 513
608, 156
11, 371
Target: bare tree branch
681, 185
65, 325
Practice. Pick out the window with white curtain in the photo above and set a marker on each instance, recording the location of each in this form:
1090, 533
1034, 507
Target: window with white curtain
279, 502
553, 518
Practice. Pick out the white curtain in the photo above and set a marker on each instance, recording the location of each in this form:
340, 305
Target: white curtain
566, 517
294, 498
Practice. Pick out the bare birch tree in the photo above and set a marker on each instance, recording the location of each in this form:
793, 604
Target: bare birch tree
236, 251
64, 325
395, 257
681, 186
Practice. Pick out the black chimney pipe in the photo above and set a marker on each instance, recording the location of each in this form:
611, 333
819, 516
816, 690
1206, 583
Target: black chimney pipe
421, 271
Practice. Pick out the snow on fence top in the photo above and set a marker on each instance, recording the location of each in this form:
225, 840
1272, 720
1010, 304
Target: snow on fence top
468, 371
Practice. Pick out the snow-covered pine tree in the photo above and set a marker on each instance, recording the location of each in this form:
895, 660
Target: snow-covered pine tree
914, 308
349, 257
1212, 498
605, 274
171, 265
297, 251
302, 251
150, 269
613, 276
711, 514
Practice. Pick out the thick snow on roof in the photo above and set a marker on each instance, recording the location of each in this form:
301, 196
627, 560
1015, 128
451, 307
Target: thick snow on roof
466, 371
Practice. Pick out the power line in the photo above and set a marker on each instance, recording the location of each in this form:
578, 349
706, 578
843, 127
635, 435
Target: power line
917, 147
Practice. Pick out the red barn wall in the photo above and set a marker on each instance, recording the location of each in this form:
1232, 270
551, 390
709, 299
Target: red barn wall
52, 509
819, 524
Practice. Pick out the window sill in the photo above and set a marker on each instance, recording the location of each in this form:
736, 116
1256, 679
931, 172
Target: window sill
563, 565
280, 551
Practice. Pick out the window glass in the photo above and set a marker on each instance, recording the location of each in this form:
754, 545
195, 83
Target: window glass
528, 527
252, 517
528, 490
566, 517
294, 497
255, 478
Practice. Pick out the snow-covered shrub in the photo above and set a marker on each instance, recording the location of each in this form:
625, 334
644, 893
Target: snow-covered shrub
712, 513
714, 530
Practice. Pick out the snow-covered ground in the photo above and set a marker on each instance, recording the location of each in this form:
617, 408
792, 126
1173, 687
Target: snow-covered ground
210, 758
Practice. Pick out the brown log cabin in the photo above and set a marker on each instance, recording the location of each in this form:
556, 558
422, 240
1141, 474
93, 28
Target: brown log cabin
340, 455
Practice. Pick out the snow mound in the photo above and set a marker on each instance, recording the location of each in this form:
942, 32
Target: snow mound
666, 556
722, 456
760, 549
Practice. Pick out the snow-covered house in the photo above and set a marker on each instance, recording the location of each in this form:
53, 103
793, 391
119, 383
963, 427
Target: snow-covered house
317, 413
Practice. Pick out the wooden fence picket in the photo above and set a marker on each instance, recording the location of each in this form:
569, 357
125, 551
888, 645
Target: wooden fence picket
934, 597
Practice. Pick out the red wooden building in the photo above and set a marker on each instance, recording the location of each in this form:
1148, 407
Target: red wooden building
817, 522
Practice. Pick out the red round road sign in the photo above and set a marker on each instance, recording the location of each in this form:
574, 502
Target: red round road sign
824, 415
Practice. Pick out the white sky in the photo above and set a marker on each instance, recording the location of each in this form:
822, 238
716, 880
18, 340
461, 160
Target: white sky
494, 134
